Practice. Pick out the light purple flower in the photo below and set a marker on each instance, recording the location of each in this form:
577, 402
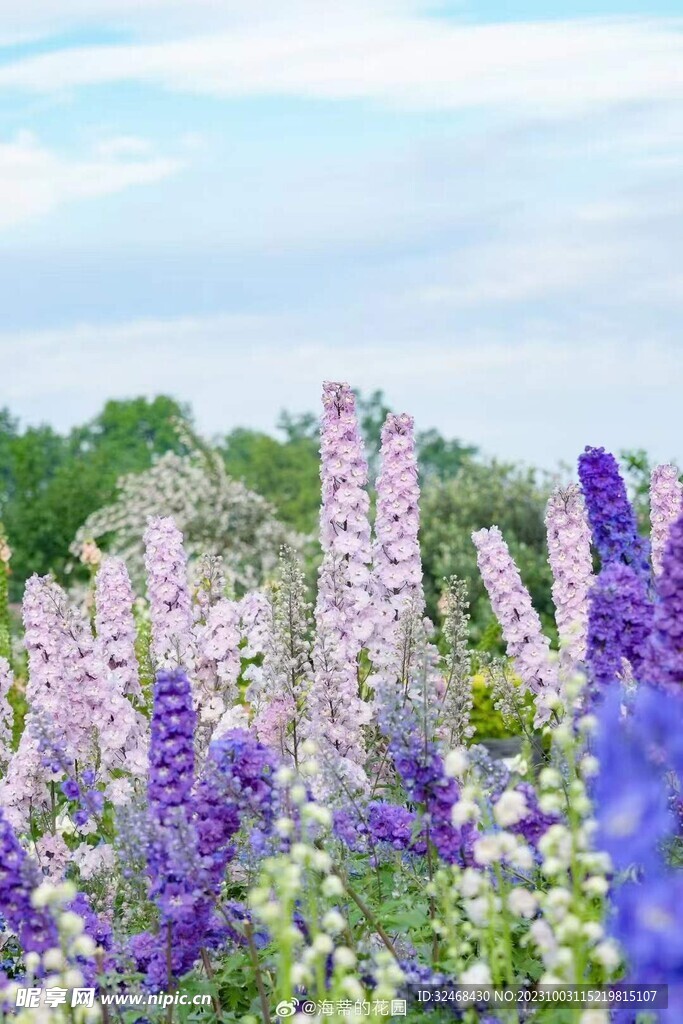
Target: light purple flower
519, 621
569, 555
666, 504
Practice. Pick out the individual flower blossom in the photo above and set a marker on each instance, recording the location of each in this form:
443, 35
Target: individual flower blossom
115, 624
619, 624
5, 551
169, 598
90, 553
519, 621
663, 663
666, 506
569, 555
610, 513
19, 877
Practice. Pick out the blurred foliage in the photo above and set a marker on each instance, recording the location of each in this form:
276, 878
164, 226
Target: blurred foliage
488, 723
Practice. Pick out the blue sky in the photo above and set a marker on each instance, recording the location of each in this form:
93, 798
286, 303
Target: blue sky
476, 207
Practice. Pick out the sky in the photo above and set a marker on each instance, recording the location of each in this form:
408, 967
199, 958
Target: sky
474, 206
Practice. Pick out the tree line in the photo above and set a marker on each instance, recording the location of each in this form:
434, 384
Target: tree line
50, 482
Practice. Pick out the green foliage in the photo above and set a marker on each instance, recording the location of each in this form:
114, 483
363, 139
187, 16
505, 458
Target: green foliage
53, 482
287, 472
488, 723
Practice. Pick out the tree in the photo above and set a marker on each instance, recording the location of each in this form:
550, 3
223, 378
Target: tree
52, 483
286, 473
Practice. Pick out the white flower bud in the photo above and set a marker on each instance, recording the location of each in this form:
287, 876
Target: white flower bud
607, 953
344, 957
70, 923
522, 903
487, 850
333, 922
323, 944
477, 974
53, 959
455, 763
510, 809
332, 886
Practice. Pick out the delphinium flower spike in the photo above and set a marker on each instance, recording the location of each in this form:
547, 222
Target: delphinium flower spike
610, 513
19, 877
169, 597
343, 617
569, 555
396, 585
666, 505
521, 626
115, 624
172, 857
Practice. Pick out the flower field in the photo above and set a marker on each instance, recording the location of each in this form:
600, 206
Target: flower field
234, 802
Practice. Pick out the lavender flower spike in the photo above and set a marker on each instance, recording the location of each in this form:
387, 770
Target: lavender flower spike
569, 555
520, 623
666, 504
169, 596
343, 610
116, 625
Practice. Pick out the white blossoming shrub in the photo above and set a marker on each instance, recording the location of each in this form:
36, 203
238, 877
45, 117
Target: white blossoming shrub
216, 515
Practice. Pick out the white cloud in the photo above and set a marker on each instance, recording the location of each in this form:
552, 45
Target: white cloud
517, 271
34, 180
361, 52
541, 399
